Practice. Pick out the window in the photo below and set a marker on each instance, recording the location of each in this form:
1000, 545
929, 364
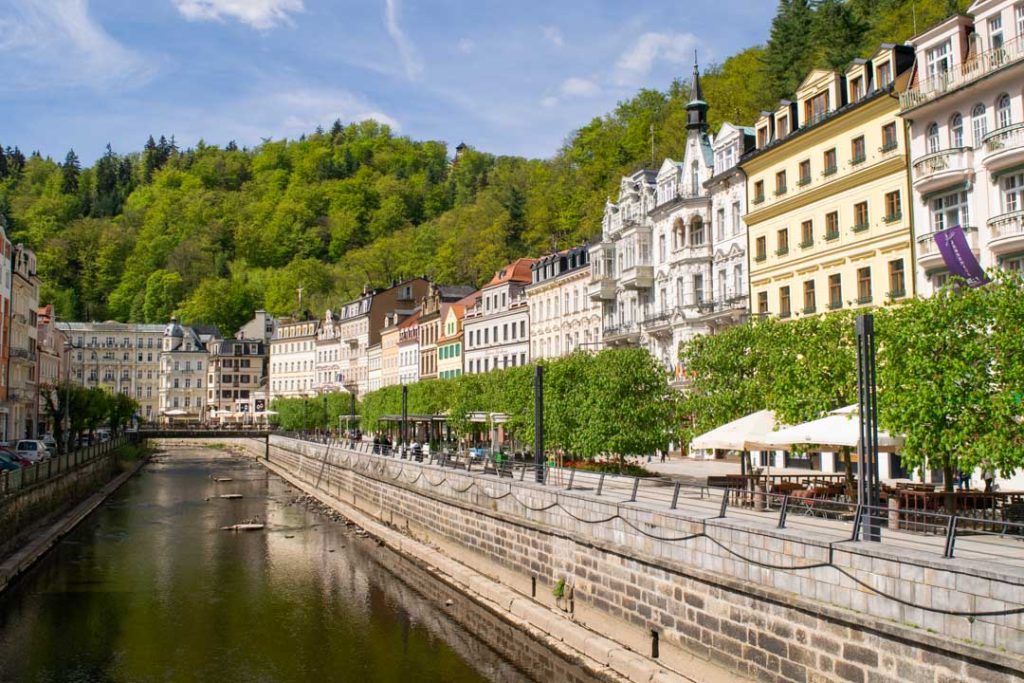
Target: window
893, 209
995, 32
830, 162
782, 242
737, 280
806, 234
860, 216
949, 210
956, 131
762, 303
661, 249
1013, 193
758, 191
780, 182
1003, 117
805, 172
889, 137
856, 88
784, 304
736, 218
720, 223
694, 180
884, 78
832, 225
857, 153
897, 281
697, 232
809, 303
816, 108
761, 249
721, 285
782, 127
698, 289
1020, 21
835, 291
979, 126
864, 285
762, 136
939, 60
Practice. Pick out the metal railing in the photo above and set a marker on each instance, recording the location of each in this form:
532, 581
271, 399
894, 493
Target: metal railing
961, 74
823, 508
14, 481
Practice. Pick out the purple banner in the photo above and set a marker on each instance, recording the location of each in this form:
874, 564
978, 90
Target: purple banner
959, 258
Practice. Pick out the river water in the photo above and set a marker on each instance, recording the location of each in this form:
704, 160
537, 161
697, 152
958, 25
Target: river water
150, 588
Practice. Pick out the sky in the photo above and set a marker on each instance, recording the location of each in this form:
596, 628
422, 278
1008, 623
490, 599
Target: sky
504, 76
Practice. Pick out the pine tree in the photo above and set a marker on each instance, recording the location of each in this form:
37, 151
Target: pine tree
788, 55
150, 160
70, 170
3, 164
838, 32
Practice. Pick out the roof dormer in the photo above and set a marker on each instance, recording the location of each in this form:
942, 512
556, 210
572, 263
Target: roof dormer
820, 94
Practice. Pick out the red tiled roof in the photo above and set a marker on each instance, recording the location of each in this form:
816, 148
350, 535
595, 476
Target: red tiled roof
410, 321
517, 271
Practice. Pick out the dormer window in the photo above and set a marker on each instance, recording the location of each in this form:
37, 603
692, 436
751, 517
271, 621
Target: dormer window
995, 32
816, 108
939, 60
762, 136
857, 88
883, 75
782, 126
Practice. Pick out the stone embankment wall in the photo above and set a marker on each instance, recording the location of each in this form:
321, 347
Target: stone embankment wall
770, 604
27, 507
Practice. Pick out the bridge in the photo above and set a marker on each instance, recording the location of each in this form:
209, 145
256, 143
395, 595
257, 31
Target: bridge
201, 433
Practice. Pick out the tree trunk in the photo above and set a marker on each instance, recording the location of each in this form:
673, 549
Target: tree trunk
949, 497
851, 485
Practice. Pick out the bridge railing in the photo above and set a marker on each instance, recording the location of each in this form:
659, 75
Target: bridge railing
14, 481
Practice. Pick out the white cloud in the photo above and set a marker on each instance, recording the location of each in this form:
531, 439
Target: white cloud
553, 34
259, 14
637, 62
406, 50
466, 46
58, 43
549, 102
579, 87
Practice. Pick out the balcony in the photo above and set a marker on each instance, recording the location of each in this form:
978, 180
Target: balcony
962, 74
1004, 147
638, 277
23, 354
601, 288
943, 168
658, 324
1006, 233
626, 334
928, 255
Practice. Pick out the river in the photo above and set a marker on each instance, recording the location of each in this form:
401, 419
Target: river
150, 588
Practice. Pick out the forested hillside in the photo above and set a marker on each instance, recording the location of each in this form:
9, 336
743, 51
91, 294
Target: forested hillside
213, 232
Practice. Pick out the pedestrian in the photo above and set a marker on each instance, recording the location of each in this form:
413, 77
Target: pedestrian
989, 475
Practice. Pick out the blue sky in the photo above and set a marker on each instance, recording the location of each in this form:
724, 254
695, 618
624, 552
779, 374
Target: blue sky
506, 76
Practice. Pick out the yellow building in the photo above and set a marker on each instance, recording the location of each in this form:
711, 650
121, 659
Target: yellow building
829, 223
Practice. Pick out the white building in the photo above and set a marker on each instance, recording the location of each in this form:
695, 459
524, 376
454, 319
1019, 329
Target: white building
562, 317
660, 253
328, 373
183, 361
293, 359
496, 329
965, 107
375, 377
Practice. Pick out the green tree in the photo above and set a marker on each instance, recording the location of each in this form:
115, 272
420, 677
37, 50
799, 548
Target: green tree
70, 172
163, 289
788, 55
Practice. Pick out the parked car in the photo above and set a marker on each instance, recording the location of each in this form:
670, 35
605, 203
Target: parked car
102, 435
9, 461
32, 450
51, 443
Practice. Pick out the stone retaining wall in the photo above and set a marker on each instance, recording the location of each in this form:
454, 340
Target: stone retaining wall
769, 604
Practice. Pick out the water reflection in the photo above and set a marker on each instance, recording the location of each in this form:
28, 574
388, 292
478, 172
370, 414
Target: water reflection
151, 589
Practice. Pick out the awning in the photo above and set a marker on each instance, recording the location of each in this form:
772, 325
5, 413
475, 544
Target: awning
745, 434
175, 412
839, 429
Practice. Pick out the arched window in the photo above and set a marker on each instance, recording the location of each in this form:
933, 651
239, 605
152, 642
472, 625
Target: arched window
695, 179
979, 125
933, 138
1003, 117
956, 131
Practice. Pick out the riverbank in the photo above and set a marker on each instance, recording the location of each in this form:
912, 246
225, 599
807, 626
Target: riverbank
22, 553
600, 654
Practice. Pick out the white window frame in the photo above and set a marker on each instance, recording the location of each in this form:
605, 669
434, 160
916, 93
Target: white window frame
942, 209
